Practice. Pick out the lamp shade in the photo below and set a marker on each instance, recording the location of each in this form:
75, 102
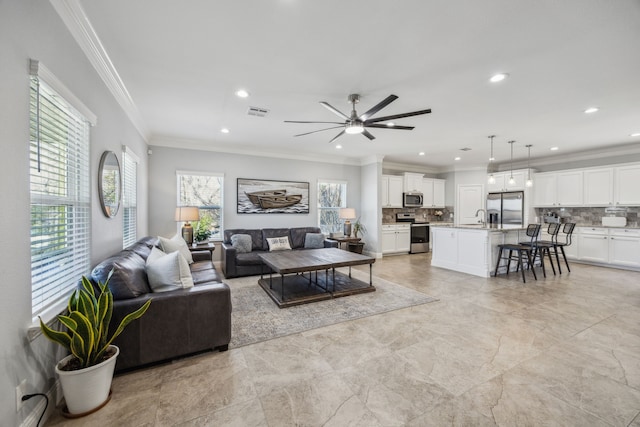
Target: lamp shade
187, 213
347, 213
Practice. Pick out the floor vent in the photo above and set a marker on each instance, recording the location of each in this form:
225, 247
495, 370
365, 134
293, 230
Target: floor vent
258, 112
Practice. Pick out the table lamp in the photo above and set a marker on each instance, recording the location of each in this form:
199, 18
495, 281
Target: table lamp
347, 214
186, 214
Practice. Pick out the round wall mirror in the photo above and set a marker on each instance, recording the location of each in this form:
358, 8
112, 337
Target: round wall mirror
109, 183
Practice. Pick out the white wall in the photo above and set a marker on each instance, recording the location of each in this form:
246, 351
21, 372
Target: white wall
164, 162
32, 29
371, 214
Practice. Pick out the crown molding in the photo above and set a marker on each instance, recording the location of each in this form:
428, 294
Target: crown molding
80, 27
206, 145
408, 167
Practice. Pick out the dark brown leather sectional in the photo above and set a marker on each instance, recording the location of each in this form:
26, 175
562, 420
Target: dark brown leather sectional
178, 322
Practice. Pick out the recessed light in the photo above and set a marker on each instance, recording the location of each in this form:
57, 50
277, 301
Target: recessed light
391, 124
635, 134
241, 93
491, 159
338, 147
591, 110
498, 77
457, 158
224, 130
553, 148
421, 153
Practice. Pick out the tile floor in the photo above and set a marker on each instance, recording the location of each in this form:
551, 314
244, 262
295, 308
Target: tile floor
560, 351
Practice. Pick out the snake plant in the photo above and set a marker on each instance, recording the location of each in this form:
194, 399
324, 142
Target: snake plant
87, 322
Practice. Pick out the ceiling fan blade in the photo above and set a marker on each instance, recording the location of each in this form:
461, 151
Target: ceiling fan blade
329, 123
368, 135
334, 110
397, 116
319, 130
337, 136
388, 100
375, 125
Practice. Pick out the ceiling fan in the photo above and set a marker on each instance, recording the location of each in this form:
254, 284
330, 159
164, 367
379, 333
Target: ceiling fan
355, 123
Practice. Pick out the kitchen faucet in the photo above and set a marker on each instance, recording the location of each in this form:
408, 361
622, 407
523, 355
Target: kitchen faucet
484, 220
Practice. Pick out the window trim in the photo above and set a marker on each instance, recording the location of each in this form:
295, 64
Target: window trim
203, 173
128, 153
38, 71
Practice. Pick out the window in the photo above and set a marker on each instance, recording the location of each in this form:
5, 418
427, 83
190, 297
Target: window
59, 190
129, 197
203, 190
332, 195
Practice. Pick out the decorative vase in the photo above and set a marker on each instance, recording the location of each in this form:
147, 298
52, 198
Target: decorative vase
87, 390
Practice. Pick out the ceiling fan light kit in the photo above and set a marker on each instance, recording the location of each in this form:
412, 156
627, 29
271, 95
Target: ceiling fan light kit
355, 124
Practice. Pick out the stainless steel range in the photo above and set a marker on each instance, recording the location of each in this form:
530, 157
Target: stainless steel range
419, 232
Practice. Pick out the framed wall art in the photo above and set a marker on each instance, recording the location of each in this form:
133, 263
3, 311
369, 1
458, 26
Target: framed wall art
259, 196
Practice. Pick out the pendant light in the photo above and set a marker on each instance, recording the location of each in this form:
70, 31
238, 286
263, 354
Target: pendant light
511, 180
492, 179
529, 181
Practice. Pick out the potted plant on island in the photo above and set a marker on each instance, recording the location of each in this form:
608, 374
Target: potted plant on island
86, 374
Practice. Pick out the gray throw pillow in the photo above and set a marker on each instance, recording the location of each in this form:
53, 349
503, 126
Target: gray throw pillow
314, 241
241, 243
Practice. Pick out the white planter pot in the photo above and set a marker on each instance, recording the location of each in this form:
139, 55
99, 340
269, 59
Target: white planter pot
87, 389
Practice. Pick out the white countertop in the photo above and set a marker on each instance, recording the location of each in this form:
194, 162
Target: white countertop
488, 227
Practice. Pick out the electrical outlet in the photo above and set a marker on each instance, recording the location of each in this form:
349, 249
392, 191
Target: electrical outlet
21, 390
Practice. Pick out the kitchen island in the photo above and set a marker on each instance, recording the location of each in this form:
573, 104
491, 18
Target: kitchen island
472, 249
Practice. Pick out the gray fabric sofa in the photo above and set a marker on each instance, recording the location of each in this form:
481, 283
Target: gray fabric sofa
177, 323
236, 264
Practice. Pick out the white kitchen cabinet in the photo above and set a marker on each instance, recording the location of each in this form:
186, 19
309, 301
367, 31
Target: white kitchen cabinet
557, 189
502, 182
433, 192
593, 245
627, 188
391, 191
598, 187
569, 188
396, 238
624, 247
413, 182
544, 189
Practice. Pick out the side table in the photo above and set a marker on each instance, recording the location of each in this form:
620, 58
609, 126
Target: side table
202, 247
342, 240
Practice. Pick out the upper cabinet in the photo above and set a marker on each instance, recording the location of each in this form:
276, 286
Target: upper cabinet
627, 185
502, 182
556, 189
588, 187
433, 192
391, 191
598, 187
413, 182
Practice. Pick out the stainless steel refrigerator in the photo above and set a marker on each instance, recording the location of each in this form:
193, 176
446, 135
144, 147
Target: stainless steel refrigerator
505, 208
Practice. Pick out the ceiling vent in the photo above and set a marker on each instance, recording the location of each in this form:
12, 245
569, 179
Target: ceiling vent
465, 149
257, 111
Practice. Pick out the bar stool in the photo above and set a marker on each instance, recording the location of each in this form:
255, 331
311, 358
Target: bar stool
546, 245
567, 232
543, 246
532, 231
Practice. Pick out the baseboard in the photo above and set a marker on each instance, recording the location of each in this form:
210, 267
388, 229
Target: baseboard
55, 397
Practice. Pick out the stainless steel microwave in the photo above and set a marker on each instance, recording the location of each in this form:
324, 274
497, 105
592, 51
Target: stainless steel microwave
412, 200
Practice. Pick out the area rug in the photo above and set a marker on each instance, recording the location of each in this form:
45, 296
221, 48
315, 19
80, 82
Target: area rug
255, 317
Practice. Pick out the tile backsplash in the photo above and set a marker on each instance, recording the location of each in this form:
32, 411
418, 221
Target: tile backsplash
585, 216
422, 214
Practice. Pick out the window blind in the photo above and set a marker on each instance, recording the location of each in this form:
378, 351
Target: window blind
60, 196
129, 197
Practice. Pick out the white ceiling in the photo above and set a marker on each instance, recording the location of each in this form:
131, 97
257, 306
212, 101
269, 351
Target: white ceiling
182, 62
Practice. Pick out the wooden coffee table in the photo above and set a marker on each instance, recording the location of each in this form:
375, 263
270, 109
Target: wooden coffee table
322, 281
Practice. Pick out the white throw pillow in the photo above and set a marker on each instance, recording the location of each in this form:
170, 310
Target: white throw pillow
168, 272
176, 243
278, 244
